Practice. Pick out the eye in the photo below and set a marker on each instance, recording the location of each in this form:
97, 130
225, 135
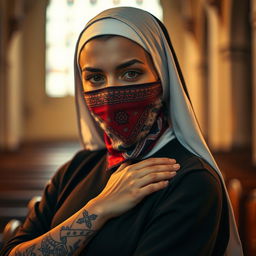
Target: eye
95, 78
131, 75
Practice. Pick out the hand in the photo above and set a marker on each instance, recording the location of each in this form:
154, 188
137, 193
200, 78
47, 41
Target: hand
129, 184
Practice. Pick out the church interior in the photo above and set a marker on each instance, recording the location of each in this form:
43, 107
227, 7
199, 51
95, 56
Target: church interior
215, 43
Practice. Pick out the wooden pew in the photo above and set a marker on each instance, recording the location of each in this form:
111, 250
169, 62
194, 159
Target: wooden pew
234, 188
250, 223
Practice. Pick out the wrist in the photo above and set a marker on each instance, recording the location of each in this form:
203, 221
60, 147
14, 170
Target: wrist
96, 207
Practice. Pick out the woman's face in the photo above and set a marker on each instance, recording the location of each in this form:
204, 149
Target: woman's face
115, 61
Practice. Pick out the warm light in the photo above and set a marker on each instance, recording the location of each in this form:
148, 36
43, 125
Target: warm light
65, 20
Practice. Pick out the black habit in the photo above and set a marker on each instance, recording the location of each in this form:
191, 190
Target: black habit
188, 217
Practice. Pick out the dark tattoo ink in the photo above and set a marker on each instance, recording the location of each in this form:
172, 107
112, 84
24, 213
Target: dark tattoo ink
59, 248
73, 248
68, 232
29, 252
51, 247
87, 219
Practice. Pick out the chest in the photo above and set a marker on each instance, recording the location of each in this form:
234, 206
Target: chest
83, 186
121, 235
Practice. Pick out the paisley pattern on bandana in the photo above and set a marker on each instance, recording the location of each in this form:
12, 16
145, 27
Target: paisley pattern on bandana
130, 116
140, 149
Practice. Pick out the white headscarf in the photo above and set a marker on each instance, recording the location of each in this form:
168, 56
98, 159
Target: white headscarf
144, 29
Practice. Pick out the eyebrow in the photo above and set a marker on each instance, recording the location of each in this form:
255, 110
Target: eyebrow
121, 66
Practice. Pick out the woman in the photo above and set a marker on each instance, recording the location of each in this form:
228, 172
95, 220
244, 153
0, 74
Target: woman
121, 196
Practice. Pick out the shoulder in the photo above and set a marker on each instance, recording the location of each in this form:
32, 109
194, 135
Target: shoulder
197, 170
190, 193
193, 204
196, 183
189, 162
195, 177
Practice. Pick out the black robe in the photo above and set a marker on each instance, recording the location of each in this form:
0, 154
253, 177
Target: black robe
188, 217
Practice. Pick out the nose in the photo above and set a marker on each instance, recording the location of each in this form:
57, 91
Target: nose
112, 80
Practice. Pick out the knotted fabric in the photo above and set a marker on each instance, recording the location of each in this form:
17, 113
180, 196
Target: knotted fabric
131, 117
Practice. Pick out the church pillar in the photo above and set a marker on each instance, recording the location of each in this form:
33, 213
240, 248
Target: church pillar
11, 66
219, 91
238, 54
3, 69
14, 104
193, 68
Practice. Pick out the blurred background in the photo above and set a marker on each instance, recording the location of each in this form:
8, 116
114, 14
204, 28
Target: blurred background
215, 42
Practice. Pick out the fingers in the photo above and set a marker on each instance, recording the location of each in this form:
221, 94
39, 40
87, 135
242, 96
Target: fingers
130, 183
151, 188
154, 177
157, 168
153, 161
122, 166
153, 174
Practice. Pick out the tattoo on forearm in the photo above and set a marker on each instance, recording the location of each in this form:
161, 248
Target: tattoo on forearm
87, 219
28, 252
68, 232
51, 247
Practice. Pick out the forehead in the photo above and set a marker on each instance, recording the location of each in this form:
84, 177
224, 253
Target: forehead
111, 48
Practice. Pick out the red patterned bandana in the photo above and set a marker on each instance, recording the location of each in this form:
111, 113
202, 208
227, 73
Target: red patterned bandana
131, 118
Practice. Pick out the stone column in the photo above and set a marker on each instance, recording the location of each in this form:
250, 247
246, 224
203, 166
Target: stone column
3, 68
220, 119
15, 92
193, 69
238, 54
11, 66
194, 79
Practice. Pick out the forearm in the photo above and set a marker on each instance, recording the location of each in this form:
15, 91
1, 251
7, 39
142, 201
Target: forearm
69, 237
126, 187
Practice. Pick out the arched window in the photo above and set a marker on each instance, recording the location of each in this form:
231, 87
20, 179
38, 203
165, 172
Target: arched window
64, 21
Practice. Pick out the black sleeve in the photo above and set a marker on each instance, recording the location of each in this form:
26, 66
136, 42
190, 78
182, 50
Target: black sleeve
186, 220
38, 220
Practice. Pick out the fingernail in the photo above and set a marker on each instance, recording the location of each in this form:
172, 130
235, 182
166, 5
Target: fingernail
176, 166
173, 161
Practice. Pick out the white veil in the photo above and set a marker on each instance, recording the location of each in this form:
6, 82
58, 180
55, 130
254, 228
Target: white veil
144, 29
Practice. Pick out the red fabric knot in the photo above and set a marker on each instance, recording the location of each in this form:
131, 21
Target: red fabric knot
131, 117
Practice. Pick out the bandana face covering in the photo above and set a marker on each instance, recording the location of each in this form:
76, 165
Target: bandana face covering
127, 115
